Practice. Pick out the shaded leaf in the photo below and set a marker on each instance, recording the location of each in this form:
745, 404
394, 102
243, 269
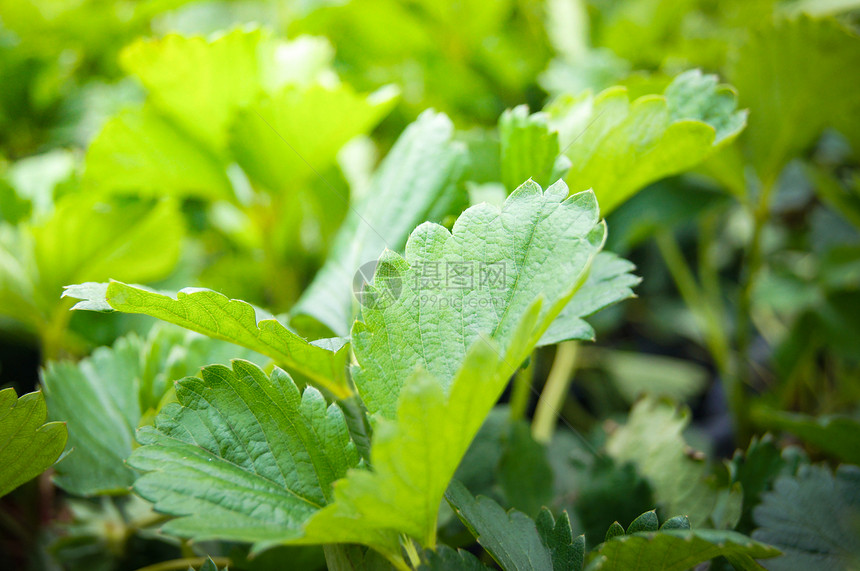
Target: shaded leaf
446, 559
103, 398
814, 518
835, 435
678, 550
567, 552
511, 538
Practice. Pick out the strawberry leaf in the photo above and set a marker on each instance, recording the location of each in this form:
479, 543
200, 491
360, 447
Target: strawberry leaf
28, 446
242, 455
217, 316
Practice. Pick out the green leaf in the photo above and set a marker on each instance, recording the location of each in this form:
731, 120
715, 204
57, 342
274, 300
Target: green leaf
210, 565
242, 456
446, 559
615, 530
217, 316
411, 471
609, 281
28, 446
835, 435
104, 397
645, 522
652, 439
199, 83
84, 239
477, 281
792, 77
756, 470
283, 139
529, 149
617, 147
523, 471
139, 151
421, 167
677, 522
678, 550
814, 518
636, 374
511, 538
568, 554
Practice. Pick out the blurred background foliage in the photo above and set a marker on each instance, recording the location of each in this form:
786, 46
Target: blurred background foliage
219, 144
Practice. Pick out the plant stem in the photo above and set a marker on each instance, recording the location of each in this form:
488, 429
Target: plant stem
752, 268
554, 392
522, 391
185, 563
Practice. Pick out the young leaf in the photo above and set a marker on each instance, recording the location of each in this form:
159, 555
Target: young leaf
139, 151
617, 147
478, 280
678, 550
28, 446
423, 164
609, 281
813, 518
529, 149
652, 439
511, 538
102, 399
242, 456
316, 121
213, 314
199, 83
568, 554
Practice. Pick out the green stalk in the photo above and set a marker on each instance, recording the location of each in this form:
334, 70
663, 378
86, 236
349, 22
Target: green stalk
522, 391
554, 392
185, 563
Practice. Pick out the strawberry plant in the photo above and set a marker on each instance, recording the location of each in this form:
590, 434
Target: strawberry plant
384, 286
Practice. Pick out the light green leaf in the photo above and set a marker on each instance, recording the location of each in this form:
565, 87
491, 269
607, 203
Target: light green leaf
814, 518
281, 140
88, 240
421, 167
199, 83
617, 147
792, 77
140, 152
678, 550
242, 456
609, 281
215, 315
568, 554
104, 397
453, 288
529, 149
84, 239
652, 439
28, 446
836, 435
511, 538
